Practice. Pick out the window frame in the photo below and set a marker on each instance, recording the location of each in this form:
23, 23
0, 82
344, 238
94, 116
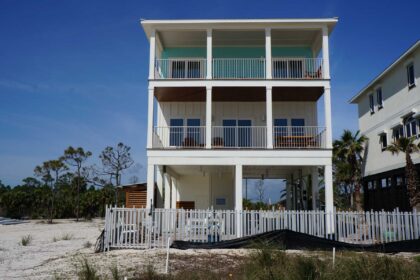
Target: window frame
381, 140
409, 66
379, 97
371, 104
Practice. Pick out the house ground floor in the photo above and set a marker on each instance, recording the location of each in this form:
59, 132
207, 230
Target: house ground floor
387, 190
222, 179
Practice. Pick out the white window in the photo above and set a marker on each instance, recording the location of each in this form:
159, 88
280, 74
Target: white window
384, 141
410, 75
371, 104
398, 132
410, 127
379, 98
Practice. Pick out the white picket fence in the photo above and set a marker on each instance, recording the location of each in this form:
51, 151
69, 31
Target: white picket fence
142, 228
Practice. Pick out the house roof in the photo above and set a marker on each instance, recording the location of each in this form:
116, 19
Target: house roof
196, 24
408, 52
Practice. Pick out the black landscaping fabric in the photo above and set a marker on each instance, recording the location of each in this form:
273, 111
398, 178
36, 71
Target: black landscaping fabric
287, 239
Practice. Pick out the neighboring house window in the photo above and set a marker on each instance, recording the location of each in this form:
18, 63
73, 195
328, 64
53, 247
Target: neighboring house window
176, 132
410, 76
298, 127
398, 132
371, 104
410, 127
379, 98
384, 141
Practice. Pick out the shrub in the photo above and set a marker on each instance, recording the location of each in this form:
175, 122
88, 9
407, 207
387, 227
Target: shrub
87, 271
26, 240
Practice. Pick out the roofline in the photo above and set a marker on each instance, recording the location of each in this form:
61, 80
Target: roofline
274, 20
197, 24
383, 73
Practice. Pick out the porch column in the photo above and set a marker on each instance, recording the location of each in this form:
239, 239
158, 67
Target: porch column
327, 110
152, 55
209, 54
174, 193
329, 199
208, 116
325, 53
238, 199
150, 185
167, 186
268, 72
269, 117
314, 180
150, 118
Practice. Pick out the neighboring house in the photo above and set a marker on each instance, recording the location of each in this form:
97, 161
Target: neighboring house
389, 108
236, 99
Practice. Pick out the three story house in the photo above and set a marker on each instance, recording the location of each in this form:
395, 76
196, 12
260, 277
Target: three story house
236, 99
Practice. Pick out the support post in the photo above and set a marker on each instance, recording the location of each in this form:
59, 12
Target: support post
208, 116
327, 110
329, 199
209, 54
269, 117
174, 193
150, 110
238, 199
314, 180
152, 55
150, 185
268, 59
325, 53
167, 186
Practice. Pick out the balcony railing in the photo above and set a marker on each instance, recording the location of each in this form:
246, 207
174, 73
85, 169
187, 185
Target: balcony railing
179, 137
180, 68
239, 68
244, 137
239, 137
297, 68
297, 137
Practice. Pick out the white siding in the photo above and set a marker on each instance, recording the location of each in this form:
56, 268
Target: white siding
237, 110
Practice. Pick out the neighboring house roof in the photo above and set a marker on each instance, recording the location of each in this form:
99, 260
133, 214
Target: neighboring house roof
408, 52
133, 186
197, 23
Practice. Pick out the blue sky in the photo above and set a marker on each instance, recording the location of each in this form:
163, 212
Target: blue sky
75, 72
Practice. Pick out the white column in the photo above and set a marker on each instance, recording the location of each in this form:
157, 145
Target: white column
325, 52
268, 53
152, 55
327, 110
160, 187
150, 185
269, 117
329, 198
174, 196
167, 186
150, 116
209, 53
314, 180
238, 199
208, 116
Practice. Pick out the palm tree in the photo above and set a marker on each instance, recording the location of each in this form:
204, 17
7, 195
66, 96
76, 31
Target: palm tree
407, 146
348, 151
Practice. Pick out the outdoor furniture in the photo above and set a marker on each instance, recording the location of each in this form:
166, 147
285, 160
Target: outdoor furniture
217, 142
295, 141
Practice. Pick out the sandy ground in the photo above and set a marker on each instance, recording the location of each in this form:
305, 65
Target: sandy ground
50, 256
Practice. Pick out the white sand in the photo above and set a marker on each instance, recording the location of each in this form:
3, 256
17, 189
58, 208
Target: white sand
45, 258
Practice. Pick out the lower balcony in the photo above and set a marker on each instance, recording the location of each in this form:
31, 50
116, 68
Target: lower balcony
239, 137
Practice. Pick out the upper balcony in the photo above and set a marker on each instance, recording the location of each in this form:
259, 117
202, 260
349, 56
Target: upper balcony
239, 50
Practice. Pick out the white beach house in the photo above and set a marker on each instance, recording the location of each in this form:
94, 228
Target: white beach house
389, 108
236, 99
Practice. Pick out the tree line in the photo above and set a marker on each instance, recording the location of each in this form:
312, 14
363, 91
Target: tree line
67, 187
